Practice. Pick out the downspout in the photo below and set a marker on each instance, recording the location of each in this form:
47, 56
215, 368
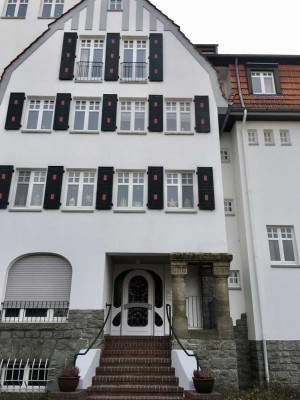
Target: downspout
251, 222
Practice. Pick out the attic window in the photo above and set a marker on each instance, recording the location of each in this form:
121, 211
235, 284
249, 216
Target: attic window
115, 5
263, 79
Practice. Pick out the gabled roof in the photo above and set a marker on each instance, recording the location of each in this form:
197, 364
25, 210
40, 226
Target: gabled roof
169, 25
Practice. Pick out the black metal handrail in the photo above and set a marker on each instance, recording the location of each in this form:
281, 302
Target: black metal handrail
89, 70
94, 341
168, 308
134, 71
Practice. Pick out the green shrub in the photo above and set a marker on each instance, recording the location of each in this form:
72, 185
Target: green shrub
272, 392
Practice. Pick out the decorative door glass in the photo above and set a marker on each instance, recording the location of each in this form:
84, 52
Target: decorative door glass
138, 292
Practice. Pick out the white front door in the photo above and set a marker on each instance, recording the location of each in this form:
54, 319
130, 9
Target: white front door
138, 304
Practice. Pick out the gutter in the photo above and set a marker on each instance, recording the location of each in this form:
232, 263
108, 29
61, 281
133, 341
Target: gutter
251, 223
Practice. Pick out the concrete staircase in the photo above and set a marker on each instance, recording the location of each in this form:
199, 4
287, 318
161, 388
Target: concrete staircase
135, 368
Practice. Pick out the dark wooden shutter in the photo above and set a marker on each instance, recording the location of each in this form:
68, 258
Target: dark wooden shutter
5, 180
104, 188
109, 113
112, 57
206, 188
68, 56
156, 57
155, 188
156, 114
62, 110
53, 188
14, 111
202, 114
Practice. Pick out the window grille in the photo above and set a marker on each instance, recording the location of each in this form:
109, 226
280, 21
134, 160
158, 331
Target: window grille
24, 375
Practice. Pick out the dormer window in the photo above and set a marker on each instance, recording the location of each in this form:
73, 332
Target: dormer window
263, 82
115, 5
263, 79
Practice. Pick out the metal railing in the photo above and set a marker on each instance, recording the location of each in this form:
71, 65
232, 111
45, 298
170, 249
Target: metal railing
89, 71
94, 341
24, 375
34, 311
133, 71
172, 332
194, 312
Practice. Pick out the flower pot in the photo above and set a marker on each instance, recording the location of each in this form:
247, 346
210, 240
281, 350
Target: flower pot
204, 385
67, 383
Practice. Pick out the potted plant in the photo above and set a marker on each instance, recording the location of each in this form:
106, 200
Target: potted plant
203, 380
68, 378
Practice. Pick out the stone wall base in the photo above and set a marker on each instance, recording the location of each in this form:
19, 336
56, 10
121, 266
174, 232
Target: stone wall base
77, 395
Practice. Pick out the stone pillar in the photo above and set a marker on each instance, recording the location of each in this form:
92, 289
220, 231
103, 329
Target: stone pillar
223, 319
179, 319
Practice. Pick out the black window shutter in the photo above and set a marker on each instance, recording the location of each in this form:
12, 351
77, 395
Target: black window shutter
202, 114
5, 180
156, 57
206, 188
66, 71
156, 114
14, 111
109, 113
155, 188
104, 188
53, 188
62, 110
112, 57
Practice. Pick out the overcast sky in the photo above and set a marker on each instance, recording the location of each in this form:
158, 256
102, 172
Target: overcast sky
238, 26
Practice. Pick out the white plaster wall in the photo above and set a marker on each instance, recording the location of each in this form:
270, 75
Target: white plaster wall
85, 238
274, 200
16, 34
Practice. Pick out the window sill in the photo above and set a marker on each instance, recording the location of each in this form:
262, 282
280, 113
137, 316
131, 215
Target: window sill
229, 215
131, 210
144, 81
253, 144
25, 209
285, 144
13, 17
133, 133
178, 211
36, 131
85, 132
269, 144
114, 10
180, 133
41, 17
78, 80
234, 288
285, 266
267, 94
80, 210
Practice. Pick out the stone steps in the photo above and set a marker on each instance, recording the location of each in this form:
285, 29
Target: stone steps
135, 368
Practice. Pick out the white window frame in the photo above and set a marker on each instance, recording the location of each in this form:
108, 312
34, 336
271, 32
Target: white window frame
170, 181
179, 108
269, 137
18, 5
89, 66
115, 5
40, 106
87, 106
79, 178
225, 155
229, 207
132, 107
54, 5
132, 179
234, 280
281, 234
263, 76
36, 177
285, 137
252, 137
134, 67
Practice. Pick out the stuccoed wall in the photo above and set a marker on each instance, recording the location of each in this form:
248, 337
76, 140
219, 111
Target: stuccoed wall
56, 342
221, 356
